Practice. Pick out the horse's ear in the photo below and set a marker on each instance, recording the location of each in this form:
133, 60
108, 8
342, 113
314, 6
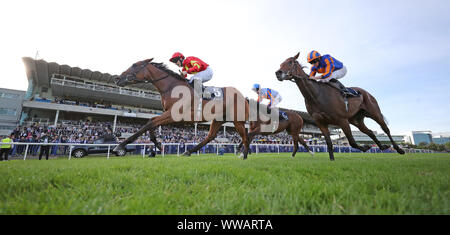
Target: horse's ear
148, 60
296, 56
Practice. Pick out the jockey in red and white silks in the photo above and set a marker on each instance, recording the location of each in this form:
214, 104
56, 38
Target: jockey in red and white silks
200, 70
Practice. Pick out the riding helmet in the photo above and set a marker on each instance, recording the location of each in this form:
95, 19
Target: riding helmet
176, 56
313, 55
255, 87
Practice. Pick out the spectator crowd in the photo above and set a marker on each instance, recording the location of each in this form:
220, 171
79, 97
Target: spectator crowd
87, 132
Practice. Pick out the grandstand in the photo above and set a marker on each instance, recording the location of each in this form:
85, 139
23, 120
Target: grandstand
362, 138
60, 95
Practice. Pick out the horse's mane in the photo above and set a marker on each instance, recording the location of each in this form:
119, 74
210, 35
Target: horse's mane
164, 68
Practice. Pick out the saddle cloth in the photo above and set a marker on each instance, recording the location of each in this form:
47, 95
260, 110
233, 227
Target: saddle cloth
212, 93
354, 92
283, 116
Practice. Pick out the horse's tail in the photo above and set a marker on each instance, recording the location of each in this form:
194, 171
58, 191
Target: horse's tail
385, 120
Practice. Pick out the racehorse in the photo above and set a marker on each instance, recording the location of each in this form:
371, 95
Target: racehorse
293, 125
327, 106
177, 97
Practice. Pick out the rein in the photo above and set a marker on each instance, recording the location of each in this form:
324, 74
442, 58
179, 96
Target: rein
296, 78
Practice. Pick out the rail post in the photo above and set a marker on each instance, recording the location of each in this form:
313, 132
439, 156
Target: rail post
26, 151
143, 151
70, 151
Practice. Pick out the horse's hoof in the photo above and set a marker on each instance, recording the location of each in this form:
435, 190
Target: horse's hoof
152, 154
312, 153
401, 151
118, 148
187, 154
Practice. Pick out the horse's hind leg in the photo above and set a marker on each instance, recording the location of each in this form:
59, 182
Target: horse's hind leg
380, 120
302, 141
358, 121
372, 110
155, 141
213, 130
345, 126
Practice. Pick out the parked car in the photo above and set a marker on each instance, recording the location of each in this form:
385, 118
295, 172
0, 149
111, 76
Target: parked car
80, 151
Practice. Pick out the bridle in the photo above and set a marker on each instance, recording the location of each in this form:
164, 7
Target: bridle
135, 71
290, 73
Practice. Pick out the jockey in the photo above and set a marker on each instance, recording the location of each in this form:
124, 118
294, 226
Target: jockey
267, 93
330, 68
192, 65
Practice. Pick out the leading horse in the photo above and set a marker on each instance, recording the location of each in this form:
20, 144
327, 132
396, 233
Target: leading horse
327, 106
178, 102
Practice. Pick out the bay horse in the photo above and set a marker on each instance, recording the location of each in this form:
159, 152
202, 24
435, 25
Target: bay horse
169, 83
327, 106
293, 125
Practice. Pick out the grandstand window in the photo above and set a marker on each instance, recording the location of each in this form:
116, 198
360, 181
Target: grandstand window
7, 127
8, 95
9, 112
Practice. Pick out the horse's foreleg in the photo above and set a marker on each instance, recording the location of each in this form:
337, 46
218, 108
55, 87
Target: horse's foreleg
295, 140
240, 128
213, 130
326, 134
136, 135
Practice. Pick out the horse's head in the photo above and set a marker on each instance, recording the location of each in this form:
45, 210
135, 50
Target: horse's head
288, 68
137, 73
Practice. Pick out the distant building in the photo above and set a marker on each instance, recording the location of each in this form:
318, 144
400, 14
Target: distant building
10, 109
418, 137
441, 139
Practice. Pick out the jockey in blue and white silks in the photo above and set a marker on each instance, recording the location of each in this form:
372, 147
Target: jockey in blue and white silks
266, 93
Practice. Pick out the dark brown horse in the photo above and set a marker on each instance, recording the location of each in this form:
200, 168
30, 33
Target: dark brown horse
178, 102
327, 106
293, 125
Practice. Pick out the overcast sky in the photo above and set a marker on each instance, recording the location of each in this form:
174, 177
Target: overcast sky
399, 51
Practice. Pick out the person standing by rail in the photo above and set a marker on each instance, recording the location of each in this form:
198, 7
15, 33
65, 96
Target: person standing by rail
6, 147
44, 148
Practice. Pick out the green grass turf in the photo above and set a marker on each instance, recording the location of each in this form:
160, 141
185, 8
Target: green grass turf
208, 184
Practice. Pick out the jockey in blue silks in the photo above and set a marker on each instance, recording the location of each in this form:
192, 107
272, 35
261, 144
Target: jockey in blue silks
266, 93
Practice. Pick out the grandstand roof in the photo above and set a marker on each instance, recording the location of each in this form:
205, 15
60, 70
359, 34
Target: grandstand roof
41, 72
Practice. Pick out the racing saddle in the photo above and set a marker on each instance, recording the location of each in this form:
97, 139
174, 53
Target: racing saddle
345, 91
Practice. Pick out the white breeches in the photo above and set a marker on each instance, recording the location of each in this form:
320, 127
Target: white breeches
202, 76
336, 75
